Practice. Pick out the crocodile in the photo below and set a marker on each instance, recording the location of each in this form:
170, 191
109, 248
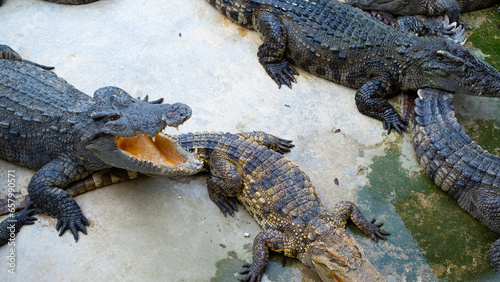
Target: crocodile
282, 199
341, 43
63, 134
458, 165
450, 8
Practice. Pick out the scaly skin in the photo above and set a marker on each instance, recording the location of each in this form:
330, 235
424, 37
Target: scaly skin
49, 126
451, 8
282, 199
343, 44
457, 164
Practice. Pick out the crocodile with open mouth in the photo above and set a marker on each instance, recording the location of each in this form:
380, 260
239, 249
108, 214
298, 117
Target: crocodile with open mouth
49, 126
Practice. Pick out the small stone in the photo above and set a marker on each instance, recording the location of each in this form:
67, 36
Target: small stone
247, 234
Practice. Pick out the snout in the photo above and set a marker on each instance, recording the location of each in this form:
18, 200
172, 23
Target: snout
177, 114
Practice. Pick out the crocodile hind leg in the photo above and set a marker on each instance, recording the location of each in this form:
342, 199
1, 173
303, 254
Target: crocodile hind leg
271, 52
270, 141
265, 240
46, 193
370, 102
224, 183
345, 210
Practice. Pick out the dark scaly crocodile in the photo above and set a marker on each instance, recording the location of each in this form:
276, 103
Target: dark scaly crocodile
450, 8
343, 44
283, 200
457, 164
49, 126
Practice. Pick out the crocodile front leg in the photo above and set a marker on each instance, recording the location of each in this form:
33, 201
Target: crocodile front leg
270, 141
265, 240
12, 224
46, 193
271, 52
370, 102
345, 210
224, 183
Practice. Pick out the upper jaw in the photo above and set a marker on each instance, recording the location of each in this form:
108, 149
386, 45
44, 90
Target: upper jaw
177, 114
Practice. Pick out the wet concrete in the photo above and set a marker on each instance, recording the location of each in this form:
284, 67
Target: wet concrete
168, 229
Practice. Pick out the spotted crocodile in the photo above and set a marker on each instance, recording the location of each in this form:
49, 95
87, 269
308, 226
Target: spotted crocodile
282, 199
457, 164
343, 44
49, 126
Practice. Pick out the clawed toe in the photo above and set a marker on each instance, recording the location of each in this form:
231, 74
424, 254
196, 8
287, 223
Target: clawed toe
285, 146
282, 73
74, 224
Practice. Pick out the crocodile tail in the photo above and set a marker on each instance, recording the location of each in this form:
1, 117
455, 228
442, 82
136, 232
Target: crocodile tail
494, 256
202, 144
453, 161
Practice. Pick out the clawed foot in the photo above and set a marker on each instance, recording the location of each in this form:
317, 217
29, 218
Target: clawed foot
375, 232
284, 146
392, 120
73, 222
253, 275
281, 73
227, 205
25, 216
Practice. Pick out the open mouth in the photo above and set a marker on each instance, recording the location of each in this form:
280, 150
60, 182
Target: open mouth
161, 151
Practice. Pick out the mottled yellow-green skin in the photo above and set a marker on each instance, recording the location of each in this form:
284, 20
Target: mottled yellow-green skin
283, 200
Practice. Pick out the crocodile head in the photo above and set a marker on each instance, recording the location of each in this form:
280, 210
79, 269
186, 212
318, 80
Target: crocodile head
452, 67
336, 256
125, 132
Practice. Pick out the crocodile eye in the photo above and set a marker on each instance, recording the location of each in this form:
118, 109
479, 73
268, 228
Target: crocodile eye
114, 117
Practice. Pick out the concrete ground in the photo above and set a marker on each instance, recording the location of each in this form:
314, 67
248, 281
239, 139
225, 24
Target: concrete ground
157, 229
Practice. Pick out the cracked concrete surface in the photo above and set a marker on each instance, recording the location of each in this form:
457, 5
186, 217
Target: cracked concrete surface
159, 229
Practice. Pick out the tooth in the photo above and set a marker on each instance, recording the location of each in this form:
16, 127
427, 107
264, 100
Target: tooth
177, 127
154, 138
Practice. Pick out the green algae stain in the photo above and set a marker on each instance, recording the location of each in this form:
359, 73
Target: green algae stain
228, 268
434, 231
485, 35
485, 133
